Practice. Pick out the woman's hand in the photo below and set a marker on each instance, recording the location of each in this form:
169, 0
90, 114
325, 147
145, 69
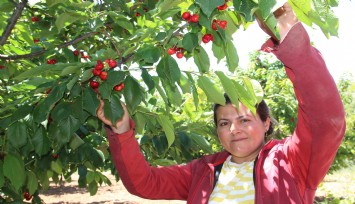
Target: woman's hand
122, 125
286, 18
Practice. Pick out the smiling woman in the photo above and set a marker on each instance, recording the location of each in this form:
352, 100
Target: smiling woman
249, 170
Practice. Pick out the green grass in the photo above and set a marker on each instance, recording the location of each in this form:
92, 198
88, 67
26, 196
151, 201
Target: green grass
337, 188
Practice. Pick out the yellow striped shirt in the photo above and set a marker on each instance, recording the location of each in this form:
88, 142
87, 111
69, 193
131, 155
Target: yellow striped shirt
235, 184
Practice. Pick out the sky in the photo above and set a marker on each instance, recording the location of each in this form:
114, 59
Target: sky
338, 52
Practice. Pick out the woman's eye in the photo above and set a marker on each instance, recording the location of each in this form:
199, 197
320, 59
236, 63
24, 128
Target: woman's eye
244, 120
223, 124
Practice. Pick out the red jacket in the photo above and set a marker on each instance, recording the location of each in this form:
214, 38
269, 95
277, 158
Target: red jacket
286, 171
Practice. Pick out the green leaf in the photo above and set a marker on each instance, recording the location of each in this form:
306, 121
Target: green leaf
173, 94
258, 90
149, 54
56, 166
202, 60
201, 142
231, 55
245, 97
70, 70
121, 20
32, 183
133, 93
51, 3
245, 7
93, 187
65, 19
90, 177
75, 142
113, 78
148, 80
168, 128
208, 6
17, 134
21, 112
14, 170
213, 94
65, 129
168, 70
228, 87
113, 109
90, 101
218, 52
40, 141
193, 90
41, 111
190, 41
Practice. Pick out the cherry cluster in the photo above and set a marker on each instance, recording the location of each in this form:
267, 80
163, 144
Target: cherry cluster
207, 38
100, 71
187, 16
27, 196
52, 61
221, 23
179, 51
194, 18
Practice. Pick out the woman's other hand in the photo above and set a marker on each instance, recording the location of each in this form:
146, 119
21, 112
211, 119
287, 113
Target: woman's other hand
122, 125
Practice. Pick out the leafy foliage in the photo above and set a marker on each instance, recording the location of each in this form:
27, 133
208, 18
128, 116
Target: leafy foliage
50, 54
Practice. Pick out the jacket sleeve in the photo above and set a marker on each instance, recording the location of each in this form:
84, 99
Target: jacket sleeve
321, 118
139, 177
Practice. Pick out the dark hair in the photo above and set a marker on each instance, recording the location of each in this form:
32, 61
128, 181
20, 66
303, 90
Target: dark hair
262, 110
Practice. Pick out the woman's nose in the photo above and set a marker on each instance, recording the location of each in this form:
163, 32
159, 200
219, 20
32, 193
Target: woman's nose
234, 128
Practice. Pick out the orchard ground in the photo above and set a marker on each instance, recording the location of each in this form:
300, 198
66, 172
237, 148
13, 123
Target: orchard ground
340, 185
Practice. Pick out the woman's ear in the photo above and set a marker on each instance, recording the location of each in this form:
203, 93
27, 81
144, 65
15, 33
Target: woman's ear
267, 124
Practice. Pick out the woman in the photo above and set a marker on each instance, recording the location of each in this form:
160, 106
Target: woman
250, 170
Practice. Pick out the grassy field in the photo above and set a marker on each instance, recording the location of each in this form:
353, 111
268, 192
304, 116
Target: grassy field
338, 187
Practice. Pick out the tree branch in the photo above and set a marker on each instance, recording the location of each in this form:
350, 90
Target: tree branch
39, 53
12, 22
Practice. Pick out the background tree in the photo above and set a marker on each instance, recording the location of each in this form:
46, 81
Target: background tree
280, 97
56, 56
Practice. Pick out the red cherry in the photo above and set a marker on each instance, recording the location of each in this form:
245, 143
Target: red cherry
103, 76
96, 72
223, 24
171, 51
145, 9
99, 66
34, 19
55, 156
179, 55
137, 14
2, 67
194, 18
119, 87
186, 15
76, 53
48, 91
36, 40
112, 63
180, 49
222, 7
94, 84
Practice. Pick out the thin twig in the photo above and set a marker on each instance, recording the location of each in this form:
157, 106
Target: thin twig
39, 53
12, 22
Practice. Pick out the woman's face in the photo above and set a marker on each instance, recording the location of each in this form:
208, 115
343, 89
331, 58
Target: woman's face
241, 132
